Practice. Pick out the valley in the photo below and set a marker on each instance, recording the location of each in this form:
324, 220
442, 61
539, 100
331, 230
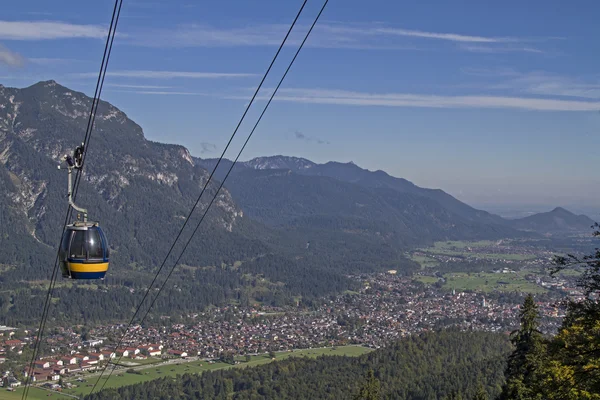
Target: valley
385, 307
296, 258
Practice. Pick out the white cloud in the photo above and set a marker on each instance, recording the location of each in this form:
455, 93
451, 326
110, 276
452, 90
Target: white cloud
54, 61
162, 92
325, 35
46, 30
165, 74
342, 97
138, 86
537, 82
10, 58
168, 93
500, 49
453, 37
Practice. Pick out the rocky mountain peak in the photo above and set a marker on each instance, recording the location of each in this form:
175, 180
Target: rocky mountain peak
279, 162
42, 122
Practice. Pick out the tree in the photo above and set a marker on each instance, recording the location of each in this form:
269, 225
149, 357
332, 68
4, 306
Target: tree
575, 351
454, 395
525, 364
370, 388
480, 394
271, 354
590, 280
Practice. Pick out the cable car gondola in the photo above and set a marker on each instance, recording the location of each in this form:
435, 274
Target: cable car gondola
84, 252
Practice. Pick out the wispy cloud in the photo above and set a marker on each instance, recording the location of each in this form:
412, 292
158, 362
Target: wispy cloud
46, 30
342, 97
537, 83
325, 35
301, 136
53, 61
138, 86
165, 74
500, 49
165, 93
10, 58
453, 37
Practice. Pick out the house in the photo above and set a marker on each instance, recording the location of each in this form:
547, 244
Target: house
107, 354
12, 343
177, 353
124, 353
81, 358
46, 375
132, 351
154, 353
96, 357
68, 360
93, 342
41, 364
87, 366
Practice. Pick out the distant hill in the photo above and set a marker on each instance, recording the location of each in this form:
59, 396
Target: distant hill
283, 198
290, 191
351, 173
558, 220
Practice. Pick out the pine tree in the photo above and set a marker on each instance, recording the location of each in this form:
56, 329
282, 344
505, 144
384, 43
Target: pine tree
480, 394
526, 363
574, 351
454, 395
370, 389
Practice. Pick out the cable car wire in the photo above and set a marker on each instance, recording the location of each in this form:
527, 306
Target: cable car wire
220, 186
99, 86
99, 83
200, 196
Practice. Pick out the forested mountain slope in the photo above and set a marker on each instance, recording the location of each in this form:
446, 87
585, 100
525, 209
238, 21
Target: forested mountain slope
428, 367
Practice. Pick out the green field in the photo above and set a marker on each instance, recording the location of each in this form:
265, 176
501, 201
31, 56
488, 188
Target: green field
488, 282
134, 363
426, 262
460, 248
34, 394
122, 378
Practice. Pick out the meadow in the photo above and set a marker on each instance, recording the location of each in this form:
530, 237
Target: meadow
122, 378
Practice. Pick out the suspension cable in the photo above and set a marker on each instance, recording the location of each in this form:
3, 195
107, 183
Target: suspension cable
198, 200
223, 181
107, 50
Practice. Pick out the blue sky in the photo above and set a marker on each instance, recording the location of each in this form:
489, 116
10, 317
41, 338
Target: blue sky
494, 102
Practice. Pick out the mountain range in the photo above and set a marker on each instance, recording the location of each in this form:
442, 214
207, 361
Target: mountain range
267, 173
300, 225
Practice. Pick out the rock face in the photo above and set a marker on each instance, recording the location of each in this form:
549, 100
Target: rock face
139, 190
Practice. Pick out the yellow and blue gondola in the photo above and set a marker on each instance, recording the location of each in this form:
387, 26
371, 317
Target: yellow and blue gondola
84, 251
